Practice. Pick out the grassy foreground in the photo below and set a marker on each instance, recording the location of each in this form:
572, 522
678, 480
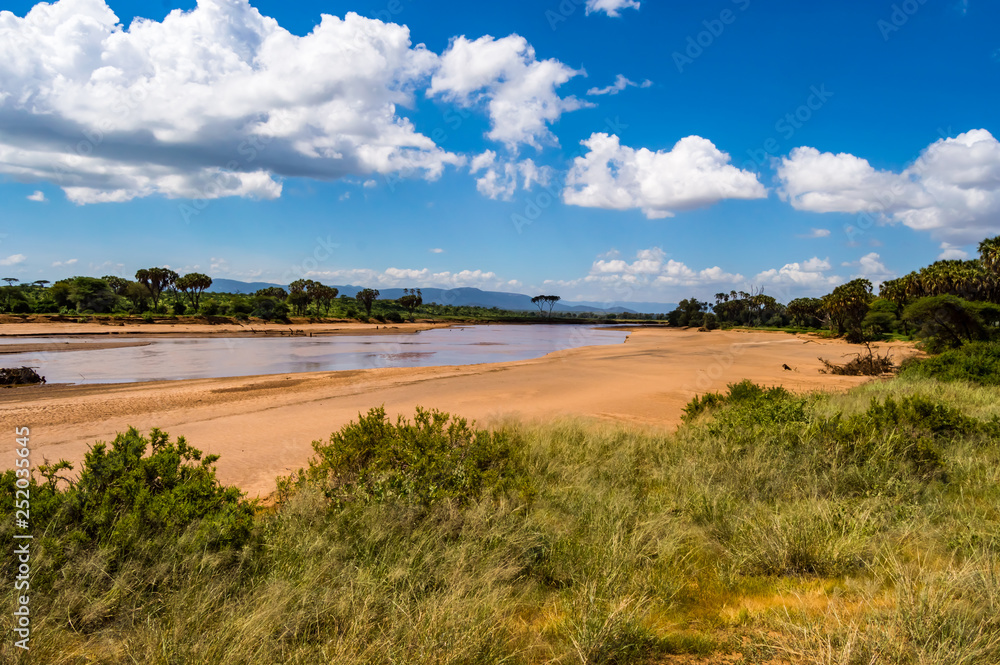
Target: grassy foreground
855, 528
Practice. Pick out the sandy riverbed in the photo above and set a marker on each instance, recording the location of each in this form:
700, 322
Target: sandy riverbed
263, 426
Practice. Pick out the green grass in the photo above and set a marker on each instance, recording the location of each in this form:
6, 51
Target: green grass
852, 528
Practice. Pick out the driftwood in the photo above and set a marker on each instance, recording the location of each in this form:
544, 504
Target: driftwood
19, 376
872, 364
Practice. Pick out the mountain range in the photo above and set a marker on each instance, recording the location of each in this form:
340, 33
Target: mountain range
466, 296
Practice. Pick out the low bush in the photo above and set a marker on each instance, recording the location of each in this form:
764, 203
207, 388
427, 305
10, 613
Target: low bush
977, 362
420, 462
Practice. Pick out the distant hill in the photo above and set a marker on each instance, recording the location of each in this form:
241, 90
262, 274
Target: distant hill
466, 296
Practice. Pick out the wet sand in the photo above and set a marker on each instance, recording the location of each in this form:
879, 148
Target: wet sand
54, 347
263, 426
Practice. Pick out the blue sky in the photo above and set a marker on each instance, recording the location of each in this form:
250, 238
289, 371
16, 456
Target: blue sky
787, 145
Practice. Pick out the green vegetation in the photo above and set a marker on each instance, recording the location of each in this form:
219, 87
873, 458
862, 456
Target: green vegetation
849, 528
976, 363
944, 305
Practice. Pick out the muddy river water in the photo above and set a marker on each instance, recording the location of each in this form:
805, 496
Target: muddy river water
196, 358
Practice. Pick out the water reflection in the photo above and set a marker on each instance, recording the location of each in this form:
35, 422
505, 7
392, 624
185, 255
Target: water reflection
195, 358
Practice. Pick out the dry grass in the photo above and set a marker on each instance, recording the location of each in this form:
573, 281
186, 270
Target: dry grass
737, 539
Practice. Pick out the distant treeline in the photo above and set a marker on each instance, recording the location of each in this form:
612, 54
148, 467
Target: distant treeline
947, 304
163, 292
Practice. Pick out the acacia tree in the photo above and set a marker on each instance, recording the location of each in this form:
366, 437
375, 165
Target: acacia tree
324, 296
156, 280
367, 298
193, 285
541, 302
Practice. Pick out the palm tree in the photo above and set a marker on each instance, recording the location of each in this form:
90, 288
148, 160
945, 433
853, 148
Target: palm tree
989, 254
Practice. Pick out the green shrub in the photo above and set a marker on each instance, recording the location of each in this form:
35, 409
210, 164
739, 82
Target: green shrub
434, 457
978, 362
394, 317
210, 307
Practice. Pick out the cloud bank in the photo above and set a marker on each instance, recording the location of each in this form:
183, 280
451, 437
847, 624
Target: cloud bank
222, 101
952, 190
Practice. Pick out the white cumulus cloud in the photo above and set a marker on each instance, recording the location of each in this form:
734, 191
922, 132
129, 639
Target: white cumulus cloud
952, 190
809, 274
652, 267
38, 196
518, 90
610, 7
216, 101
693, 174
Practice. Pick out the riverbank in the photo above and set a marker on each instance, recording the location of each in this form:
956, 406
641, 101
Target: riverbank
263, 426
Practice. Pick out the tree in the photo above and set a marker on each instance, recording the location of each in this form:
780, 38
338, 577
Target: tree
11, 280
268, 307
541, 302
946, 321
117, 284
325, 296
156, 280
847, 306
882, 317
411, 300
367, 297
301, 293
689, 312
275, 292
139, 295
552, 300
806, 312
83, 293
193, 285
989, 254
